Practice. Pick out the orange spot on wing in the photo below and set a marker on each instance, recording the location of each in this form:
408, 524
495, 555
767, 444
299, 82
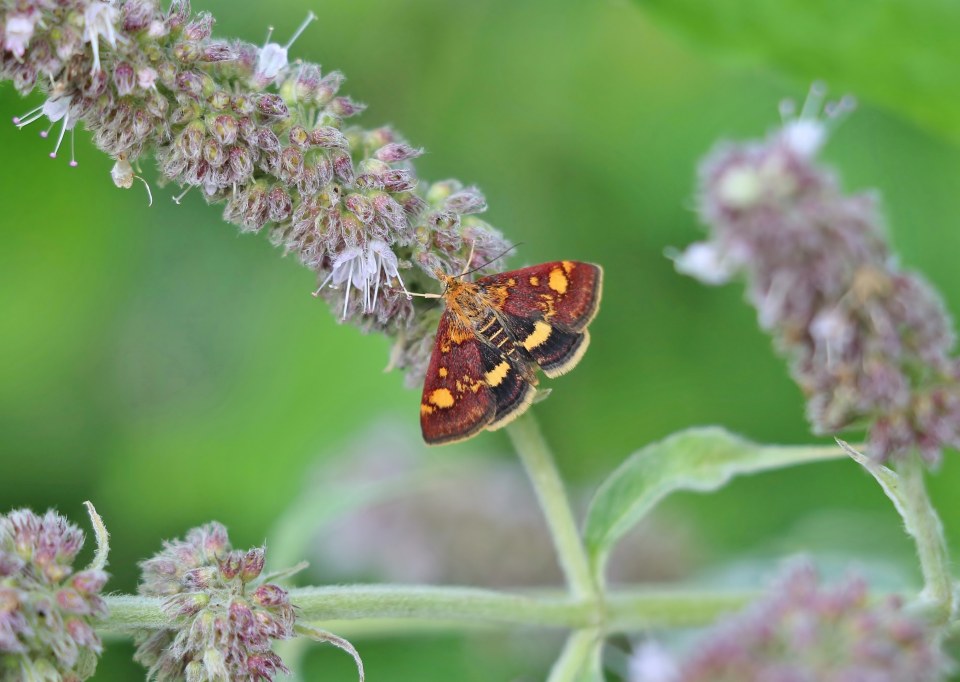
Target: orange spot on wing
442, 398
558, 281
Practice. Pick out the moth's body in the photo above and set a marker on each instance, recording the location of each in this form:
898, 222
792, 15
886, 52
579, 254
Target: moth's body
492, 336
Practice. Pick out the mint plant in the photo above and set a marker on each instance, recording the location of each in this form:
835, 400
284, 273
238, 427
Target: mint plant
869, 343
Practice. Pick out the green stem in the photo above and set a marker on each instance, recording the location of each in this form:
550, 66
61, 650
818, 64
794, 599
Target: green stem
906, 489
386, 608
580, 659
538, 461
923, 524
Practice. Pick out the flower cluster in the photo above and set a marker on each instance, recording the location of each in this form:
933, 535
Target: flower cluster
46, 610
226, 619
869, 343
266, 137
804, 632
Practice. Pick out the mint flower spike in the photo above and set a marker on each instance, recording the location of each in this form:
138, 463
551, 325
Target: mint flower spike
268, 139
868, 342
224, 616
47, 612
804, 631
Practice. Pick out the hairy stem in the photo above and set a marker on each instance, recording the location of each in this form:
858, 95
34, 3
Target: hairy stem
906, 489
923, 525
389, 608
580, 659
538, 461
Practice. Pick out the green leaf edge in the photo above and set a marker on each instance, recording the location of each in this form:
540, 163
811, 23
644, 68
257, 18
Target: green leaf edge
652, 473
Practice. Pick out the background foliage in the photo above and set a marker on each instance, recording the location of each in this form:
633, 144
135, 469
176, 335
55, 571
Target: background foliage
173, 372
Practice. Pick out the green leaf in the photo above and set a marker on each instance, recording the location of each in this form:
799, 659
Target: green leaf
901, 54
700, 459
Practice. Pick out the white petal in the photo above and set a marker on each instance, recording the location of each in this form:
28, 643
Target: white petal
55, 109
703, 261
804, 136
272, 60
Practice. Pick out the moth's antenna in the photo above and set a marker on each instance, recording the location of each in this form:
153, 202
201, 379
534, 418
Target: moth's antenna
497, 257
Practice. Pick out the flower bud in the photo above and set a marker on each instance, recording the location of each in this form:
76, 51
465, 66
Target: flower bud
239, 164
230, 565
466, 201
270, 595
185, 113
124, 78
89, 582
378, 137
198, 578
213, 153
305, 83
344, 107
141, 124
267, 141
200, 28
70, 601
361, 207
189, 83
224, 129
217, 52
136, 15
243, 104
253, 559
291, 164
343, 167
399, 180
299, 137
328, 137
279, 206
249, 208
187, 53
394, 152
272, 106
324, 168
190, 143
328, 88
178, 15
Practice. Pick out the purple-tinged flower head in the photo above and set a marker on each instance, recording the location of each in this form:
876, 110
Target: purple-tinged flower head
47, 611
869, 343
269, 138
225, 616
803, 631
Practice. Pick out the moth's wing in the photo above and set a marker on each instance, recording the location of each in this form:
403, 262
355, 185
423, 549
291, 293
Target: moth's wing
555, 349
457, 403
567, 293
513, 385
546, 308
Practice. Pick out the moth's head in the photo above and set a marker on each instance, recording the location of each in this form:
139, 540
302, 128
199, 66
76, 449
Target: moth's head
449, 281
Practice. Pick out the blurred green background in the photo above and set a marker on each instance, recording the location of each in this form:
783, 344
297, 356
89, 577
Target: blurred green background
173, 372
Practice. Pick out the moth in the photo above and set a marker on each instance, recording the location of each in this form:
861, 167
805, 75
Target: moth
493, 335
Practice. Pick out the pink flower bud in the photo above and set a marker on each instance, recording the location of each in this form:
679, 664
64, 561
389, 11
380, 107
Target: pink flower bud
270, 595
124, 78
272, 106
328, 137
279, 206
